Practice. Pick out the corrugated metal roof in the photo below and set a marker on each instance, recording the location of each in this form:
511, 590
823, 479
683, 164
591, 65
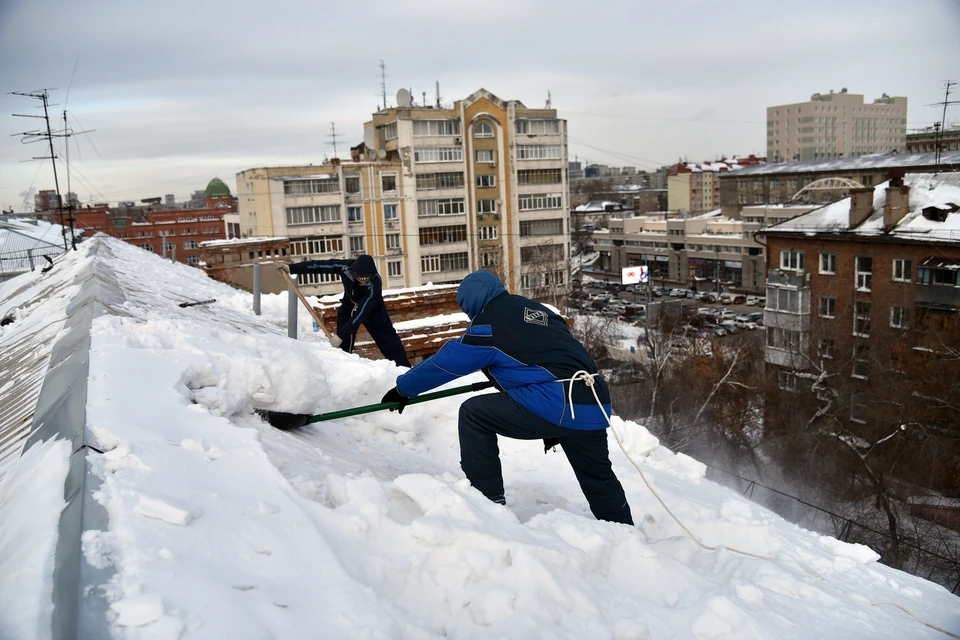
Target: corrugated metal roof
949, 160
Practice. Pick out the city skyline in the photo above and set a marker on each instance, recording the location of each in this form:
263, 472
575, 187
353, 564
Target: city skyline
179, 96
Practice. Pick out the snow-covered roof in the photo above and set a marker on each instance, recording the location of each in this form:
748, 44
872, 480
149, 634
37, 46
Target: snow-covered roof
239, 241
190, 517
876, 161
598, 206
22, 237
940, 190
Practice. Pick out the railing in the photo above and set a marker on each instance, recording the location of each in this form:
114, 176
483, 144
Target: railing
783, 278
13, 263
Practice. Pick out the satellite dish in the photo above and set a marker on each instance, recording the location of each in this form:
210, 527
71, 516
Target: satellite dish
381, 153
370, 154
403, 98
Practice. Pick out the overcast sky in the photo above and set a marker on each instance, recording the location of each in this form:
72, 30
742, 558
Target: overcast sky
180, 92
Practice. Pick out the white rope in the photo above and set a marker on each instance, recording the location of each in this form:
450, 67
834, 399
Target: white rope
588, 379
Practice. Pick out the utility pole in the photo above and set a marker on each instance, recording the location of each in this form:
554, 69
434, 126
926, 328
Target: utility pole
940, 127
45, 134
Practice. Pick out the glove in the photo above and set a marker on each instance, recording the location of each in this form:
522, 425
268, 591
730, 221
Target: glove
335, 340
549, 443
394, 395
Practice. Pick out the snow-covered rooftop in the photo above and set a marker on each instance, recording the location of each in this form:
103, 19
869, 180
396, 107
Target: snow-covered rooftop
239, 241
195, 519
876, 161
21, 237
940, 190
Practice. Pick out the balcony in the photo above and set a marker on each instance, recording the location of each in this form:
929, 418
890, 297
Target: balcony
785, 278
938, 295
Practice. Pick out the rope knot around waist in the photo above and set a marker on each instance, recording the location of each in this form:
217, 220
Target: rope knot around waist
586, 378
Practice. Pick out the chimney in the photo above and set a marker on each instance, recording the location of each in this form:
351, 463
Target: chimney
861, 205
897, 204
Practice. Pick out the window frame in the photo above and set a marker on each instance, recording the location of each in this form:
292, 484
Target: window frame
899, 317
828, 264
486, 155
861, 318
827, 307
901, 270
394, 266
489, 178
483, 130
863, 279
387, 208
791, 260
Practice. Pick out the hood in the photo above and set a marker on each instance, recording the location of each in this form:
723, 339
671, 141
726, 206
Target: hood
363, 265
477, 290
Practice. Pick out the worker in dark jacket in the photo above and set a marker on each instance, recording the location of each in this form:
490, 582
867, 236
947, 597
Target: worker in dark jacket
362, 304
550, 389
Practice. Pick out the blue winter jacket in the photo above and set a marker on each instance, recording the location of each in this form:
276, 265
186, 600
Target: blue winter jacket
359, 300
524, 348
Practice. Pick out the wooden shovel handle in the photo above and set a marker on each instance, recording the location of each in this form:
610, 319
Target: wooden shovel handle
296, 289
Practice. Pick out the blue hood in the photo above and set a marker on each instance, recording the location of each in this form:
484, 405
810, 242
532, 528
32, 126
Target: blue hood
477, 290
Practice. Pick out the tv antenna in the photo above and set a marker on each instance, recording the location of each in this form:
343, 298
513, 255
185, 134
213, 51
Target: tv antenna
383, 83
333, 137
940, 127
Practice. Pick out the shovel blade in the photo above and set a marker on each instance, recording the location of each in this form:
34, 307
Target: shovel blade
284, 421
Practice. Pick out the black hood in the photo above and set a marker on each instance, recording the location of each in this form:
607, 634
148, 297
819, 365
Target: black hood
363, 265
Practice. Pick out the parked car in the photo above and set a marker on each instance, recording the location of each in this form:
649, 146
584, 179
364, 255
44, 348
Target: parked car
677, 293
657, 292
761, 302
665, 291
743, 321
728, 315
755, 316
730, 326
715, 329
752, 301
739, 299
726, 298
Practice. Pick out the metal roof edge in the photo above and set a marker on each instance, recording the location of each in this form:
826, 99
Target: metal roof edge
79, 605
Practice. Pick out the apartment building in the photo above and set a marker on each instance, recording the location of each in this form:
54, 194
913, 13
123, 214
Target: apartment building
695, 188
701, 252
927, 140
432, 194
836, 125
821, 181
860, 289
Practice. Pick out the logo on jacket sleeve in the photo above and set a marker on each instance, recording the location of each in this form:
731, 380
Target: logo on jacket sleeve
534, 316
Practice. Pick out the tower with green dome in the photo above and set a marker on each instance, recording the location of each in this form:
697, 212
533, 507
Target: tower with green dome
218, 194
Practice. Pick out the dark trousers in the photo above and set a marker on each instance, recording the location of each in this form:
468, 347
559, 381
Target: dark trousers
380, 328
483, 418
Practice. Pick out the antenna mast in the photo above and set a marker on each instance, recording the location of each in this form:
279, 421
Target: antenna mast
941, 126
333, 137
383, 83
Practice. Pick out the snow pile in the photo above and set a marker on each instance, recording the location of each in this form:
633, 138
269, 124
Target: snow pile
222, 527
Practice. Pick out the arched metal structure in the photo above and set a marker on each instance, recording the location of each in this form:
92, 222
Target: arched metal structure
842, 185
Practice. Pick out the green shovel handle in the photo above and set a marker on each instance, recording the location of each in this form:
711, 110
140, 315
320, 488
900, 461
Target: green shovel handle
382, 406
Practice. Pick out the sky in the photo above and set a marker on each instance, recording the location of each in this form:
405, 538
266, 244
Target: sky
175, 93
217, 525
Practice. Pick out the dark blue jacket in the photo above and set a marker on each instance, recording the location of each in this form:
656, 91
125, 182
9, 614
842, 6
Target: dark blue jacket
523, 347
359, 300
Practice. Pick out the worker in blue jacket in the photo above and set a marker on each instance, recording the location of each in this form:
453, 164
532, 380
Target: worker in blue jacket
550, 389
362, 304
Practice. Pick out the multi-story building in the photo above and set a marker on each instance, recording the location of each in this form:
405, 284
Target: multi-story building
926, 140
821, 181
702, 252
695, 188
431, 194
859, 289
836, 125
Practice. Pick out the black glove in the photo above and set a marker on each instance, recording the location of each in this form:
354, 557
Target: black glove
549, 443
394, 395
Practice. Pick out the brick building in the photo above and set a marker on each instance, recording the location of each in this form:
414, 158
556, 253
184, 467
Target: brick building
860, 292
695, 187
232, 261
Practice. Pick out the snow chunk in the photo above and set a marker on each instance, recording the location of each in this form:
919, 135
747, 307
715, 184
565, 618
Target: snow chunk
858, 553
137, 611
160, 510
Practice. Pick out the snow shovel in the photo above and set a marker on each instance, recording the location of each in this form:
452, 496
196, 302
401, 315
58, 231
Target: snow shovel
287, 421
334, 340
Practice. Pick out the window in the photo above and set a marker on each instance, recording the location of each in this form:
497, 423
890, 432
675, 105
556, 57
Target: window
390, 131
758, 199
899, 318
540, 176
858, 409
902, 270
389, 212
864, 273
828, 307
146, 246
939, 277
489, 258
483, 130
317, 278
861, 319
486, 205
356, 244
538, 152
190, 244
192, 260
438, 154
861, 361
316, 245
313, 215
394, 269
788, 300
444, 262
538, 127
441, 207
540, 201
825, 348
828, 263
785, 339
311, 186
352, 184
436, 128
355, 214
553, 227
791, 260
426, 181
485, 155
443, 235
545, 253
486, 182
388, 182
488, 233
392, 240
787, 380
